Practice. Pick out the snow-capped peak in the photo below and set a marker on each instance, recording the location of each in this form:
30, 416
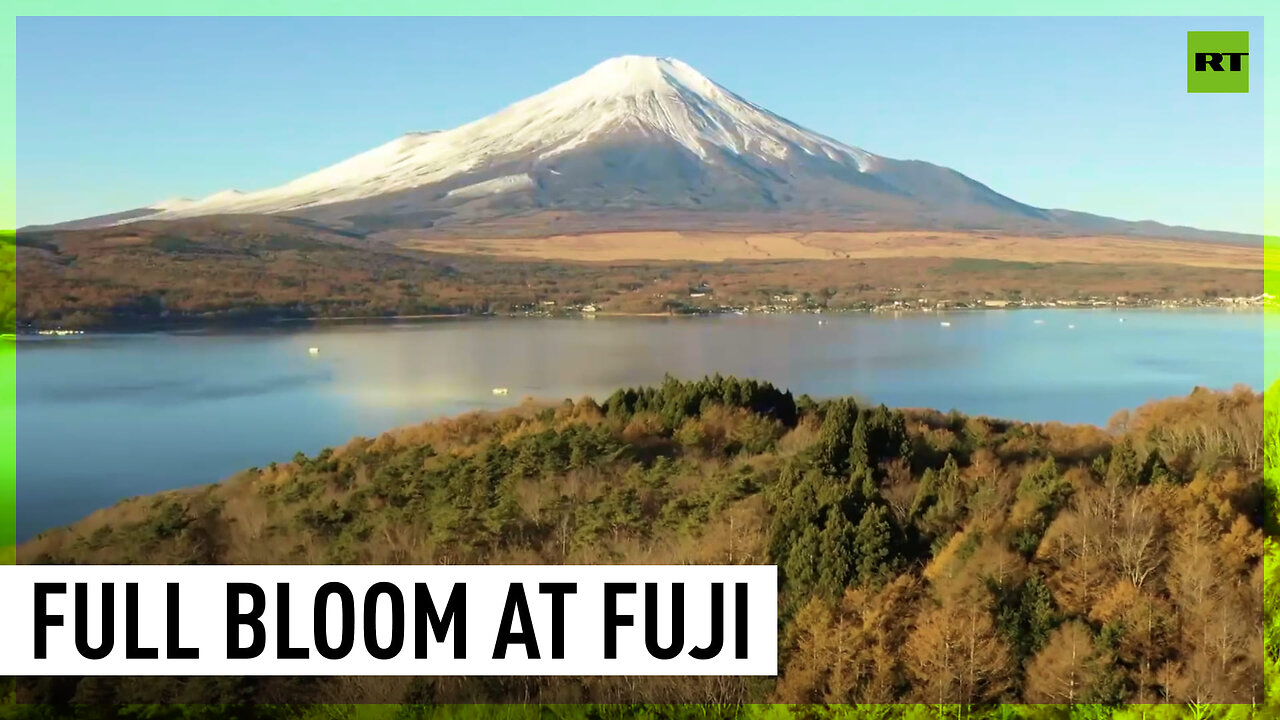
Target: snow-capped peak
655, 97
639, 74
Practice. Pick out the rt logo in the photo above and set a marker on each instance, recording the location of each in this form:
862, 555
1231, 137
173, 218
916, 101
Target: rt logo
1217, 62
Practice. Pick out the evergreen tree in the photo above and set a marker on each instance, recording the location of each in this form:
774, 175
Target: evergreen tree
872, 542
835, 437
1154, 470
1026, 614
859, 445
800, 567
836, 563
1124, 469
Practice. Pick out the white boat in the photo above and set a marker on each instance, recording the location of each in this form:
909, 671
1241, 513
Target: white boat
500, 391
944, 323
313, 351
1038, 322
1071, 327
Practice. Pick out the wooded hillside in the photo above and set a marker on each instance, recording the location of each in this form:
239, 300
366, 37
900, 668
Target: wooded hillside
924, 557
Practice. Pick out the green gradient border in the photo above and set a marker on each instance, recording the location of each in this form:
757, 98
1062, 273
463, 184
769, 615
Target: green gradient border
1269, 85
8, 347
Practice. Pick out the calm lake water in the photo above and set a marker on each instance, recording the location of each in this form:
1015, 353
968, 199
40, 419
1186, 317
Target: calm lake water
105, 417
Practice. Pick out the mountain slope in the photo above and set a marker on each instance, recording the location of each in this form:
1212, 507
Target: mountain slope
639, 142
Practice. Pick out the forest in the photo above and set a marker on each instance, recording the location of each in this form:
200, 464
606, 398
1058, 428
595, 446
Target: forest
924, 557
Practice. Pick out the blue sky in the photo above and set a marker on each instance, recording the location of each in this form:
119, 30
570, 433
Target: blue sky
1089, 114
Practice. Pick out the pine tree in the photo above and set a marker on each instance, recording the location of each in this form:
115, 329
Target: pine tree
836, 562
1026, 615
926, 494
859, 445
1155, 470
800, 570
872, 542
835, 438
1123, 470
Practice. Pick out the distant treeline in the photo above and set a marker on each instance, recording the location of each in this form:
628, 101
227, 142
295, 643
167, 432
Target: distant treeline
264, 270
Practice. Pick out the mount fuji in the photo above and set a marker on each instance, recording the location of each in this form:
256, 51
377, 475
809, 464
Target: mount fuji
637, 143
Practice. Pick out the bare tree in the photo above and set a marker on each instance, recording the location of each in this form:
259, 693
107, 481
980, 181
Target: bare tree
1064, 670
1137, 541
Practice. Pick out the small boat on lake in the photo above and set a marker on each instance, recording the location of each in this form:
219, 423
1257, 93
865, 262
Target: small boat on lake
313, 351
500, 391
944, 323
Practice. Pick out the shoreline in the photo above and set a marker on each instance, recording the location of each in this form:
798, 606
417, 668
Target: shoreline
366, 318
550, 402
300, 323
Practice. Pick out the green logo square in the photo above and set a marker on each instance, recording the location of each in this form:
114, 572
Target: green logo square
1217, 62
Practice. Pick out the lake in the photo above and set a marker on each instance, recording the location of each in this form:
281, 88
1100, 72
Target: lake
104, 417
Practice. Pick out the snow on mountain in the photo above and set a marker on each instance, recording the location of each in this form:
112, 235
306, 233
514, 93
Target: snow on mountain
660, 97
489, 187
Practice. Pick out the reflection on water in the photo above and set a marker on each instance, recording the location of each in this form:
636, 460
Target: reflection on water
178, 391
101, 418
